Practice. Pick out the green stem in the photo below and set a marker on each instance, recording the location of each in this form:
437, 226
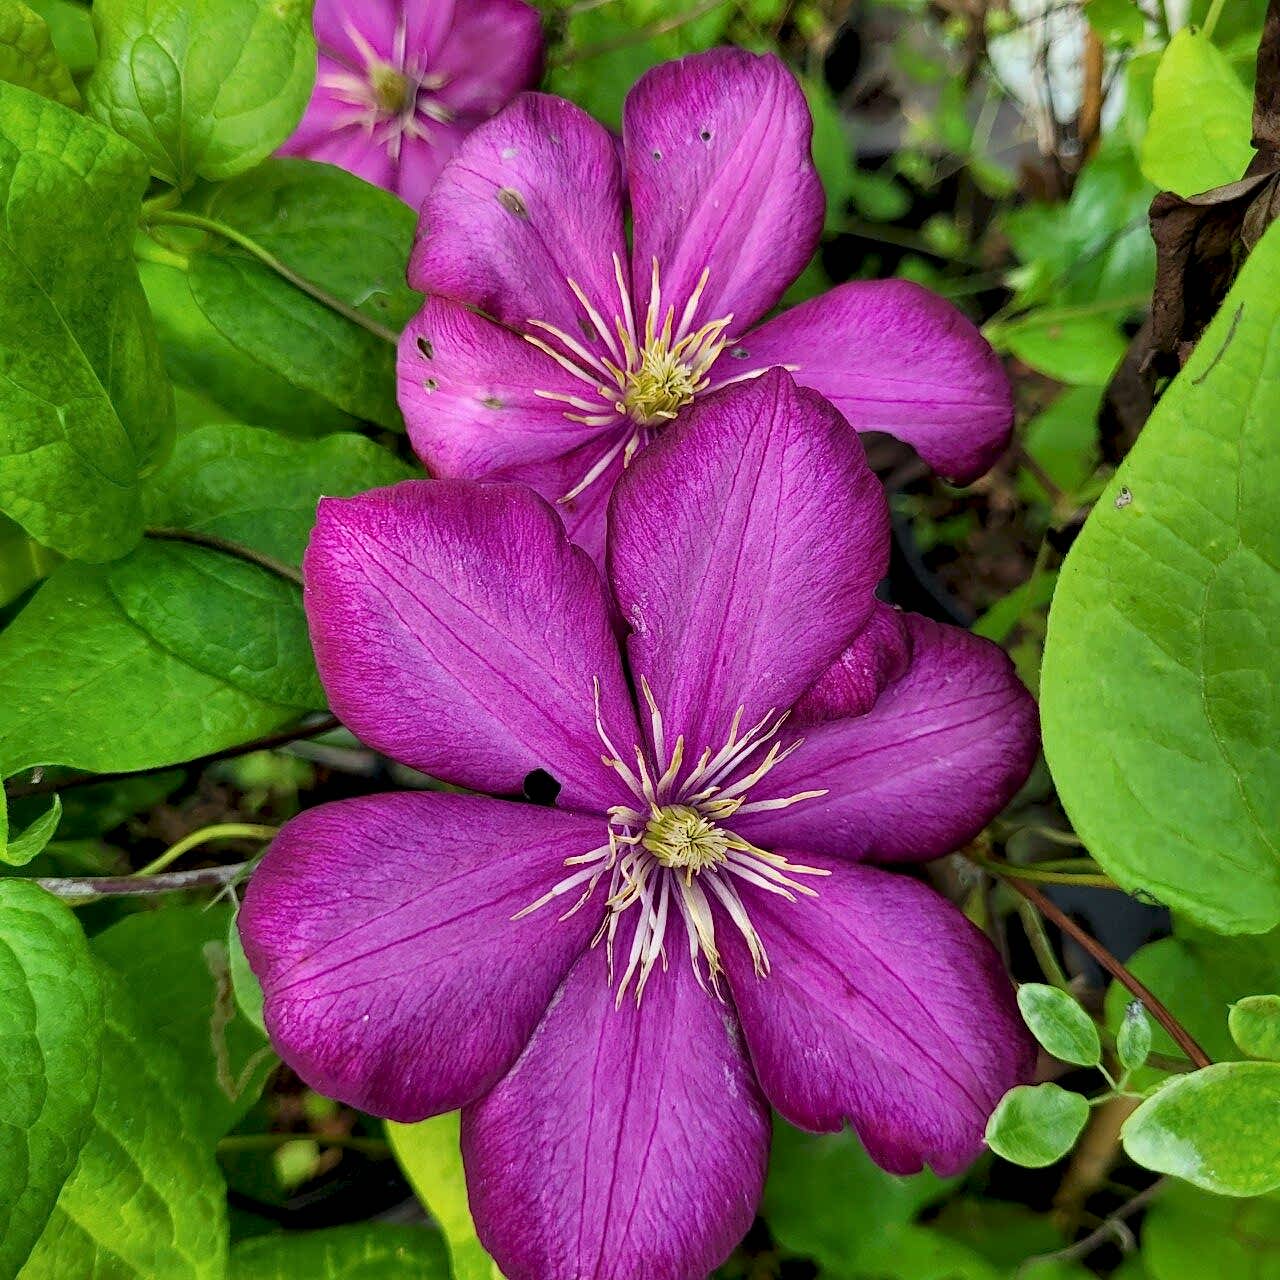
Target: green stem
219, 831
273, 1141
225, 545
1042, 948
161, 203
1211, 18
1007, 870
177, 218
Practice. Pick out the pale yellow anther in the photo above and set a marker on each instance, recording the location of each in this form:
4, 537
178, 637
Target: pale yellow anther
679, 836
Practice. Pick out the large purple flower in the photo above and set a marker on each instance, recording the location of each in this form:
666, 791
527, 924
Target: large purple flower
400, 83
615, 988
550, 353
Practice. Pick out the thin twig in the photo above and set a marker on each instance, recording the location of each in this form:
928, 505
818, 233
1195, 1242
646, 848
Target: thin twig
1042, 948
179, 218
1008, 870
1181, 1037
250, 555
282, 738
1083, 1247
87, 888
219, 831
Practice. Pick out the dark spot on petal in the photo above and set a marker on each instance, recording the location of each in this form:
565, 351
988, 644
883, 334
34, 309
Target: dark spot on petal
491, 402
706, 135
657, 155
428, 351
540, 787
740, 353
430, 385
513, 202
588, 330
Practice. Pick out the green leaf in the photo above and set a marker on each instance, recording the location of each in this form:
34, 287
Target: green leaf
1198, 135
179, 650
225, 1058
238, 385
244, 982
84, 402
1077, 350
71, 27
204, 88
28, 58
1197, 977
1216, 1128
1117, 22
146, 1199
826, 1199
428, 1153
51, 1029
372, 1251
1133, 1040
1036, 1125
1244, 1236
1254, 1023
1060, 1024
1063, 439
19, 850
307, 216
1161, 680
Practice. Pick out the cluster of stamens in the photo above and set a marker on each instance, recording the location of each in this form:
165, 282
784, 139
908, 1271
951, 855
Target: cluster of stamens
643, 376
671, 850
390, 100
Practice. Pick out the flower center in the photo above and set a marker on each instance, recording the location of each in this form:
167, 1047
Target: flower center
391, 88
669, 856
679, 836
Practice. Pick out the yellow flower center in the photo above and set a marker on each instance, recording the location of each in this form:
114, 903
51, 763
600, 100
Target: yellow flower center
680, 837
390, 88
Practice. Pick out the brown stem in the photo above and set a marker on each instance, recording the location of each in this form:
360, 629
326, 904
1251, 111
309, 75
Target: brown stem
84, 888
237, 549
1181, 1037
1082, 1248
46, 786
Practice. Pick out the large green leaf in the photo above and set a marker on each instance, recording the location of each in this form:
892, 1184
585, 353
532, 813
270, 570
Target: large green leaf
1161, 680
376, 1251
51, 1030
205, 88
1245, 1236
307, 216
71, 27
225, 1057
27, 55
145, 1200
1198, 136
1216, 1128
84, 402
178, 650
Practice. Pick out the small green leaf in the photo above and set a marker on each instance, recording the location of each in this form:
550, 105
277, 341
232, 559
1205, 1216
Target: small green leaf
429, 1155
84, 400
366, 1251
1117, 22
1036, 1125
51, 1029
1201, 123
204, 88
1133, 1041
248, 990
1080, 351
1215, 1127
17, 851
146, 1199
1060, 1024
28, 58
1255, 1026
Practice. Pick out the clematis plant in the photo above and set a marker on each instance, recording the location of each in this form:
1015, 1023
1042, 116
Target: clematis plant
615, 988
550, 353
400, 83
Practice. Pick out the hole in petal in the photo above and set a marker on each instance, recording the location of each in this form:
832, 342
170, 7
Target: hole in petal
540, 787
706, 135
430, 385
657, 155
428, 351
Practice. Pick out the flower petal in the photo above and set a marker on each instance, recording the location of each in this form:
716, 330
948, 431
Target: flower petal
349, 29
891, 356
382, 930
885, 1008
457, 630
625, 1144
491, 51
469, 390
879, 654
421, 160
721, 177
942, 752
745, 547
531, 200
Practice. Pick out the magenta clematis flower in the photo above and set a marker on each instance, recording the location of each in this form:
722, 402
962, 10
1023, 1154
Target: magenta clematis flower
615, 988
549, 353
400, 83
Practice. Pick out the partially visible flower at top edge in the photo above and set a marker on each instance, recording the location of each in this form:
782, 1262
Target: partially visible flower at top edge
400, 83
615, 988
590, 348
